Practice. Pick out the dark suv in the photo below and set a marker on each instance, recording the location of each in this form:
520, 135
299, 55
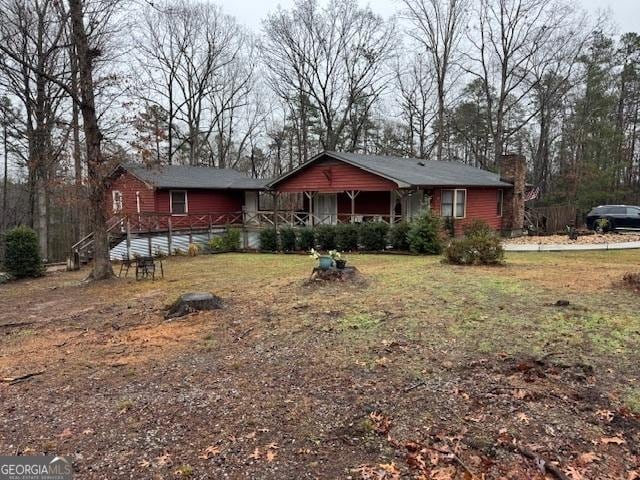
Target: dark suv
614, 217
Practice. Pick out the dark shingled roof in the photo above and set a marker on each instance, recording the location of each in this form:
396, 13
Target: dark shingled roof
184, 176
414, 172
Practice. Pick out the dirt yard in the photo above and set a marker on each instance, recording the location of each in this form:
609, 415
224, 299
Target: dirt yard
423, 371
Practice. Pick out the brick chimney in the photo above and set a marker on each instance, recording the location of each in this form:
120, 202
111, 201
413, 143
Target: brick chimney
513, 169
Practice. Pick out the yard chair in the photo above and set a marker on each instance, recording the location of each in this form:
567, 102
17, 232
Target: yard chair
125, 264
146, 267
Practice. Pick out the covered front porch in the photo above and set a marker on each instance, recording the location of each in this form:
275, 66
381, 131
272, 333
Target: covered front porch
311, 208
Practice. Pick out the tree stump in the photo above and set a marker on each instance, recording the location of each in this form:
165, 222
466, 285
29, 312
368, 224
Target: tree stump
193, 302
346, 274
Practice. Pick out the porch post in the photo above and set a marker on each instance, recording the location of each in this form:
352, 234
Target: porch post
310, 197
275, 210
393, 194
169, 237
128, 241
352, 195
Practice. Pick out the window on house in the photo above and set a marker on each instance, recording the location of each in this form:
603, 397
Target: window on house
117, 201
500, 202
178, 202
454, 203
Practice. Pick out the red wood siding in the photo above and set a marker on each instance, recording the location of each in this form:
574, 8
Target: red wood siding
204, 201
481, 205
334, 176
129, 185
367, 203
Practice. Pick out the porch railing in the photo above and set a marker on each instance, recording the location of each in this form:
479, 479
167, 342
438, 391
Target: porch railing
305, 219
160, 222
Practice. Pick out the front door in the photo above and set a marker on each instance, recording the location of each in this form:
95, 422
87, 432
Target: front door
325, 208
414, 204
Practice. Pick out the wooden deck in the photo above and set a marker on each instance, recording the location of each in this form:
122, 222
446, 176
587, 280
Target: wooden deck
198, 222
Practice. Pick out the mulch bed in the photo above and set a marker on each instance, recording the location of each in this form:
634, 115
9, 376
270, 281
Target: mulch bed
592, 238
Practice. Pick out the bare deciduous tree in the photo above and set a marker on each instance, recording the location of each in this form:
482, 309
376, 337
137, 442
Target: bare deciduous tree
184, 49
416, 96
438, 28
509, 42
336, 56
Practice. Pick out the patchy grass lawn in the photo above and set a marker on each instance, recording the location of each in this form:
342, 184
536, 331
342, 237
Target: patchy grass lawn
444, 371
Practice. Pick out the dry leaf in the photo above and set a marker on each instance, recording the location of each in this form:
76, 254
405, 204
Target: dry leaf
587, 458
445, 473
523, 417
616, 440
573, 473
144, 463
416, 460
251, 435
272, 446
164, 459
393, 472
520, 394
476, 419
271, 455
209, 452
606, 415
381, 424
256, 454
633, 475
379, 472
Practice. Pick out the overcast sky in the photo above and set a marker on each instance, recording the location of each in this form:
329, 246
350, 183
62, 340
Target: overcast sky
625, 13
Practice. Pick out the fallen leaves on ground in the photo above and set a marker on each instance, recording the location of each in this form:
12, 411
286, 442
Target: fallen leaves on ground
382, 471
617, 440
574, 474
587, 458
210, 451
164, 459
381, 424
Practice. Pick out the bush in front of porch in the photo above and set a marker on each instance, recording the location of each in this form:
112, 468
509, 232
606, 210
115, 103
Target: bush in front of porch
269, 240
398, 238
347, 237
373, 236
306, 239
326, 237
288, 241
425, 235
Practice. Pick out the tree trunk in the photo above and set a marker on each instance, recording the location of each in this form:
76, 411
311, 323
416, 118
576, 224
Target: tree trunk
5, 181
440, 127
43, 217
93, 137
77, 153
